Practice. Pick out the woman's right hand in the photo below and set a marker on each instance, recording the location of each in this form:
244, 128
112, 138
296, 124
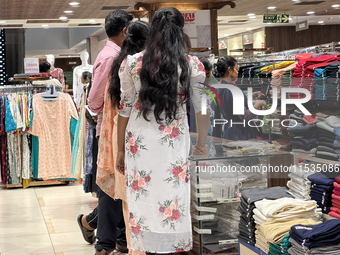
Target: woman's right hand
260, 103
120, 165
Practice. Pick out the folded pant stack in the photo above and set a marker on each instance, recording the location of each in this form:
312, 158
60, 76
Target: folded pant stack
335, 209
304, 137
320, 239
321, 191
329, 138
248, 199
299, 185
274, 231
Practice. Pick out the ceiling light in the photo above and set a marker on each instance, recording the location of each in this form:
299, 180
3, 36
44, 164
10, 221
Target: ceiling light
69, 56
63, 18
336, 5
252, 17
92, 20
68, 12
74, 4
269, 23
272, 8
321, 22
2, 21
45, 25
225, 34
249, 28
310, 13
251, 14
290, 18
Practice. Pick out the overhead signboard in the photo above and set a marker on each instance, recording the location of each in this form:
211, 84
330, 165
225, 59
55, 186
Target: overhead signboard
275, 18
303, 25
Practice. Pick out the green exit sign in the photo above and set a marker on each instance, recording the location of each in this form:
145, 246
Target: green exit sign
275, 18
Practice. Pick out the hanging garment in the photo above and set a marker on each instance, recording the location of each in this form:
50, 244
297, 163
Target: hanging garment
51, 123
58, 74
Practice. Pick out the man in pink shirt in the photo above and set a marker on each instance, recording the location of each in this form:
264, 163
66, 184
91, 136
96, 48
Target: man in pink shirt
108, 216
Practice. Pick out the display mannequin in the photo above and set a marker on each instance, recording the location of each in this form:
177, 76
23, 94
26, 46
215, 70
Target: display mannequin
56, 73
77, 73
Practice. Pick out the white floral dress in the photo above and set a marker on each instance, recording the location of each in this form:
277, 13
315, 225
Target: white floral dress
158, 186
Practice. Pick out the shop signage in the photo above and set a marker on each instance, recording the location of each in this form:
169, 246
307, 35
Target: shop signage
275, 18
31, 65
303, 25
189, 16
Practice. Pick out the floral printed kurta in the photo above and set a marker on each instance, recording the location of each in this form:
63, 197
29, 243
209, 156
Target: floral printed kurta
158, 187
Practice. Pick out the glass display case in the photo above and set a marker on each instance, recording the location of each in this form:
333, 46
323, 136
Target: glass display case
216, 182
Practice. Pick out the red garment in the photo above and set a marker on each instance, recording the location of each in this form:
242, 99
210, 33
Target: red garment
309, 120
46, 75
336, 184
334, 214
337, 179
336, 192
303, 56
335, 209
336, 203
336, 198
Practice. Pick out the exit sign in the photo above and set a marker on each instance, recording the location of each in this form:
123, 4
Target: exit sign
275, 18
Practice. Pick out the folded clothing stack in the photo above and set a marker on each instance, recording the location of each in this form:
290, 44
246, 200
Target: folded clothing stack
333, 82
280, 248
299, 185
304, 73
321, 191
329, 141
304, 137
249, 75
320, 77
274, 231
320, 239
335, 209
247, 205
269, 127
297, 118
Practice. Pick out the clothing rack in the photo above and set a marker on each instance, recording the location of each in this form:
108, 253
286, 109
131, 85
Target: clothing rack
27, 88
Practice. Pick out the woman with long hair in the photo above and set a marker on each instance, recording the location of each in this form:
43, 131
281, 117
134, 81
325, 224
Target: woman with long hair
153, 136
109, 180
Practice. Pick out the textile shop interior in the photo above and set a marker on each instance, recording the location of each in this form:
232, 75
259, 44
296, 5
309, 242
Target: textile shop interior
269, 184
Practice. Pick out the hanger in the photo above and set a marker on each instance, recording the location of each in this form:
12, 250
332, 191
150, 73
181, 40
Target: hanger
51, 93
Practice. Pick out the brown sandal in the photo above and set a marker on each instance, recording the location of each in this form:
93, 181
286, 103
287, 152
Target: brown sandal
87, 234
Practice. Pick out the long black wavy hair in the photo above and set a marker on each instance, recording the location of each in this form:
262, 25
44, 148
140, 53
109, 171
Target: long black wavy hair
137, 34
165, 54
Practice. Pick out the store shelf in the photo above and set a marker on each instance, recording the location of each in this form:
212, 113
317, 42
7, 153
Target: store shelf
321, 160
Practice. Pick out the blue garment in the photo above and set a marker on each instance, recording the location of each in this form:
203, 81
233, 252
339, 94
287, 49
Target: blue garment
237, 131
9, 120
319, 178
88, 153
75, 146
73, 126
327, 233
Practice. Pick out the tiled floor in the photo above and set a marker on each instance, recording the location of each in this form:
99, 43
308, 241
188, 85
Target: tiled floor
42, 220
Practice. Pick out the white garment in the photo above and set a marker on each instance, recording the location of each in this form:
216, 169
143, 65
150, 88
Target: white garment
156, 160
284, 206
77, 85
